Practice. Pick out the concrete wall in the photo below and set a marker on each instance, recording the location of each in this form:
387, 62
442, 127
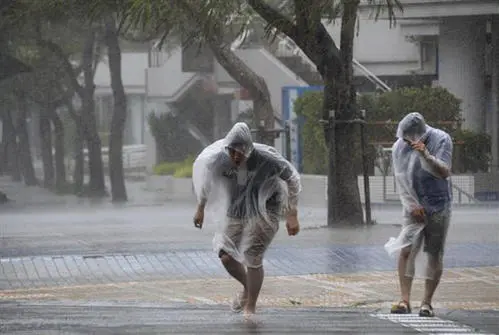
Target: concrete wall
166, 80
494, 119
384, 50
133, 67
462, 66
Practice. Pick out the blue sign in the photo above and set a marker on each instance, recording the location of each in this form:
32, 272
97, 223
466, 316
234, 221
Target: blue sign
289, 96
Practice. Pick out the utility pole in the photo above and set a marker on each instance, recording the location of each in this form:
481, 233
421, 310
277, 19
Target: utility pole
332, 196
367, 191
262, 134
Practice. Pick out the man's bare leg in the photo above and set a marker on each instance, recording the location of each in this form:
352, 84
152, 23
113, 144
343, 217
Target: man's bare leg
404, 280
431, 285
254, 285
237, 271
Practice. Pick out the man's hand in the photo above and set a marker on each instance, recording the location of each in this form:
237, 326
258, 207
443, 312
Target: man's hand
199, 217
418, 146
292, 225
418, 215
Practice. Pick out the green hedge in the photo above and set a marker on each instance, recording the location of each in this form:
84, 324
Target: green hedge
181, 169
472, 151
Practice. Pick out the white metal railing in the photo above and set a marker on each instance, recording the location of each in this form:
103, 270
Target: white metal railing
288, 46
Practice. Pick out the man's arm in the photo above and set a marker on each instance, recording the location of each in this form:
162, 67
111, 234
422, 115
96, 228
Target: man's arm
213, 169
441, 162
292, 179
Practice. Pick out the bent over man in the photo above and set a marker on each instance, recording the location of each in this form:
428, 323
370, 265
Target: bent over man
422, 158
247, 187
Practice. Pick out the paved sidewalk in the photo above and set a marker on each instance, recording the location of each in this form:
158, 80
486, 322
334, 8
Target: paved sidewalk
461, 288
57, 270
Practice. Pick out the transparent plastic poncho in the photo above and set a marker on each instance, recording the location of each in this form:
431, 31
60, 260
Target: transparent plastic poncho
414, 128
253, 196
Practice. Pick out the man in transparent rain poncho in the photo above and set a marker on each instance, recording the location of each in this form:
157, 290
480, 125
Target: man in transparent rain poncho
422, 158
246, 188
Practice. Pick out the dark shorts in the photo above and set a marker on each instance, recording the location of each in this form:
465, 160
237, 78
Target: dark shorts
435, 233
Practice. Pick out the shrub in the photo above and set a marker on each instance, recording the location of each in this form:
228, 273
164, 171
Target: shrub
184, 171
166, 169
471, 152
315, 157
181, 169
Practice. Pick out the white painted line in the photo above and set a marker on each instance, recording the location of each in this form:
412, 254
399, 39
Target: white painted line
433, 325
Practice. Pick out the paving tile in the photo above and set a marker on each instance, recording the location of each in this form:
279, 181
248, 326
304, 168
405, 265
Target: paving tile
38, 271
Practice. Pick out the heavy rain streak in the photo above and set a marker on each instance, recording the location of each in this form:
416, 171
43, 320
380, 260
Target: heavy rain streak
249, 167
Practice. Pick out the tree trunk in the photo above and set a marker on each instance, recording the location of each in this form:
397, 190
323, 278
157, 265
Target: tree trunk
96, 185
264, 114
91, 135
247, 78
46, 148
335, 66
116, 173
60, 167
240, 72
347, 134
87, 121
26, 160
11, 147
79, 158
4, 153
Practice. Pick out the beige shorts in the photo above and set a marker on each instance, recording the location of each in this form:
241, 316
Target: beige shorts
249, 240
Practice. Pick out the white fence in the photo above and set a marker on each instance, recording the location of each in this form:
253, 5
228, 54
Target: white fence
382, 190
134, 157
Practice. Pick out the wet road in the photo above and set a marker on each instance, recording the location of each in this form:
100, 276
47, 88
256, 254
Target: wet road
95, 318
104, 230
108, 245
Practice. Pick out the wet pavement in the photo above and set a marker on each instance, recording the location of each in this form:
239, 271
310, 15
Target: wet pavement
105, 318
80, 267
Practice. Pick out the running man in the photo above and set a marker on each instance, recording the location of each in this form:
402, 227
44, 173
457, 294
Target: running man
247, 187
422, 159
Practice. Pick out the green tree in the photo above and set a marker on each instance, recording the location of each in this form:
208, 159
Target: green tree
215, 24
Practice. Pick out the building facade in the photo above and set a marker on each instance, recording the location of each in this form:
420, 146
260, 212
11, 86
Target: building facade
451, 43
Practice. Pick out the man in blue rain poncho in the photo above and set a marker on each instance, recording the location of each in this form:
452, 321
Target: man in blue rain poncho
246, 188
422, 158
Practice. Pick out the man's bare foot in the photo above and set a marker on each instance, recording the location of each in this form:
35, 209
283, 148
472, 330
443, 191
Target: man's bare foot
239, 302
249, 312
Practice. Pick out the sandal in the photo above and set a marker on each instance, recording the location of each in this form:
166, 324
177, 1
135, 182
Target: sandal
426, 310
403, 307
